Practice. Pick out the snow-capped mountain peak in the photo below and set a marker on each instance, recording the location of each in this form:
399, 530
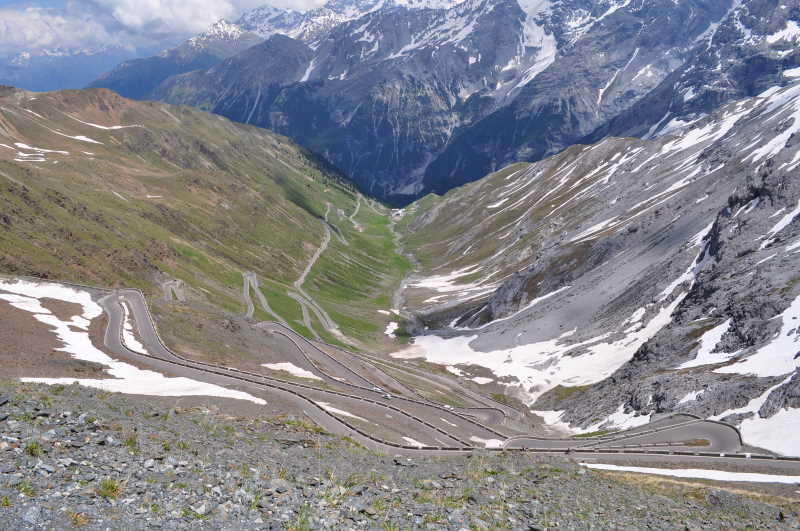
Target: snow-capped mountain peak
219, 30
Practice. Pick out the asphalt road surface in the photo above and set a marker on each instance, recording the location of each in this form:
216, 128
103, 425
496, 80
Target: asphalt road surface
403, 426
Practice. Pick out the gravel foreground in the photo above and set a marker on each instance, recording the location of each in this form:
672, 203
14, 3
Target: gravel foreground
72, 457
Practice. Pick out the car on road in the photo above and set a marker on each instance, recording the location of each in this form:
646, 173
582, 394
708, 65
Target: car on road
387, 396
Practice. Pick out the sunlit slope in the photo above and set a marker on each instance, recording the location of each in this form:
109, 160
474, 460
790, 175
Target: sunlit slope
630, 277
95, 188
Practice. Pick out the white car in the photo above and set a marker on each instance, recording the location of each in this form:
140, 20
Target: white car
387, 396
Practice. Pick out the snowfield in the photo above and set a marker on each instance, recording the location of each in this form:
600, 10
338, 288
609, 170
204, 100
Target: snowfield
778, 357
699, 473
542, 366
75, 337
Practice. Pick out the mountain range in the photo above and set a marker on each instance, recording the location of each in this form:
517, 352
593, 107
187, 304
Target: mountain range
600, 198
494, 82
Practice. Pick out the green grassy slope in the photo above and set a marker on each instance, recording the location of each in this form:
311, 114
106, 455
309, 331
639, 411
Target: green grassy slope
177, 194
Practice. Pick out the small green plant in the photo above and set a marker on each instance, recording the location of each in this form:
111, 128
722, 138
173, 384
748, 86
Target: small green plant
254, 503
4, 501
45, 401
33, 449
190, 514
353, 442
109, 488
303, 425
131, 442
78, 519
303, 520
183, 445
434, 518
23, 487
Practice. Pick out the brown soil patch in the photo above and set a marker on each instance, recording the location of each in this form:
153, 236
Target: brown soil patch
28, 349
65, 311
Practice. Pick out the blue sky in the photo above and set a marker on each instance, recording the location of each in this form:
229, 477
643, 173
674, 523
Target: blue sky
47, 24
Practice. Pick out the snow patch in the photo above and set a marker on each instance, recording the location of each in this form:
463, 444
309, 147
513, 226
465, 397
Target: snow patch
542, 366
412, 442
391, 328
784, 222
774, 433
708, 342
128, 337
126, 378
778, 357
691, 397
487, 443
107, 128
699, 473
292, 369
330, 409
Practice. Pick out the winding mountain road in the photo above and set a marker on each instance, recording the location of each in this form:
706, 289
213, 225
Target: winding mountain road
391, 423
403, 426
305, 300
251, 282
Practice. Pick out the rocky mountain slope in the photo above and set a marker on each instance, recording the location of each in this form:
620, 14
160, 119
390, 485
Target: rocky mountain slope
73, 457
102, 190
628, 278
495, 82
628, 74
742, 56
138, 78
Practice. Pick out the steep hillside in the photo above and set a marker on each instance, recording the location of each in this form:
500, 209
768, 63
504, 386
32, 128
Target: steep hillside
138, 78
753, 48
98, 189
347, 97
636, 68
628, 278
494, 82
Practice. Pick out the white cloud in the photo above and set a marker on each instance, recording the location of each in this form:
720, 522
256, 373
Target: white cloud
129, 23
187, 16
35, 28
169, 16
